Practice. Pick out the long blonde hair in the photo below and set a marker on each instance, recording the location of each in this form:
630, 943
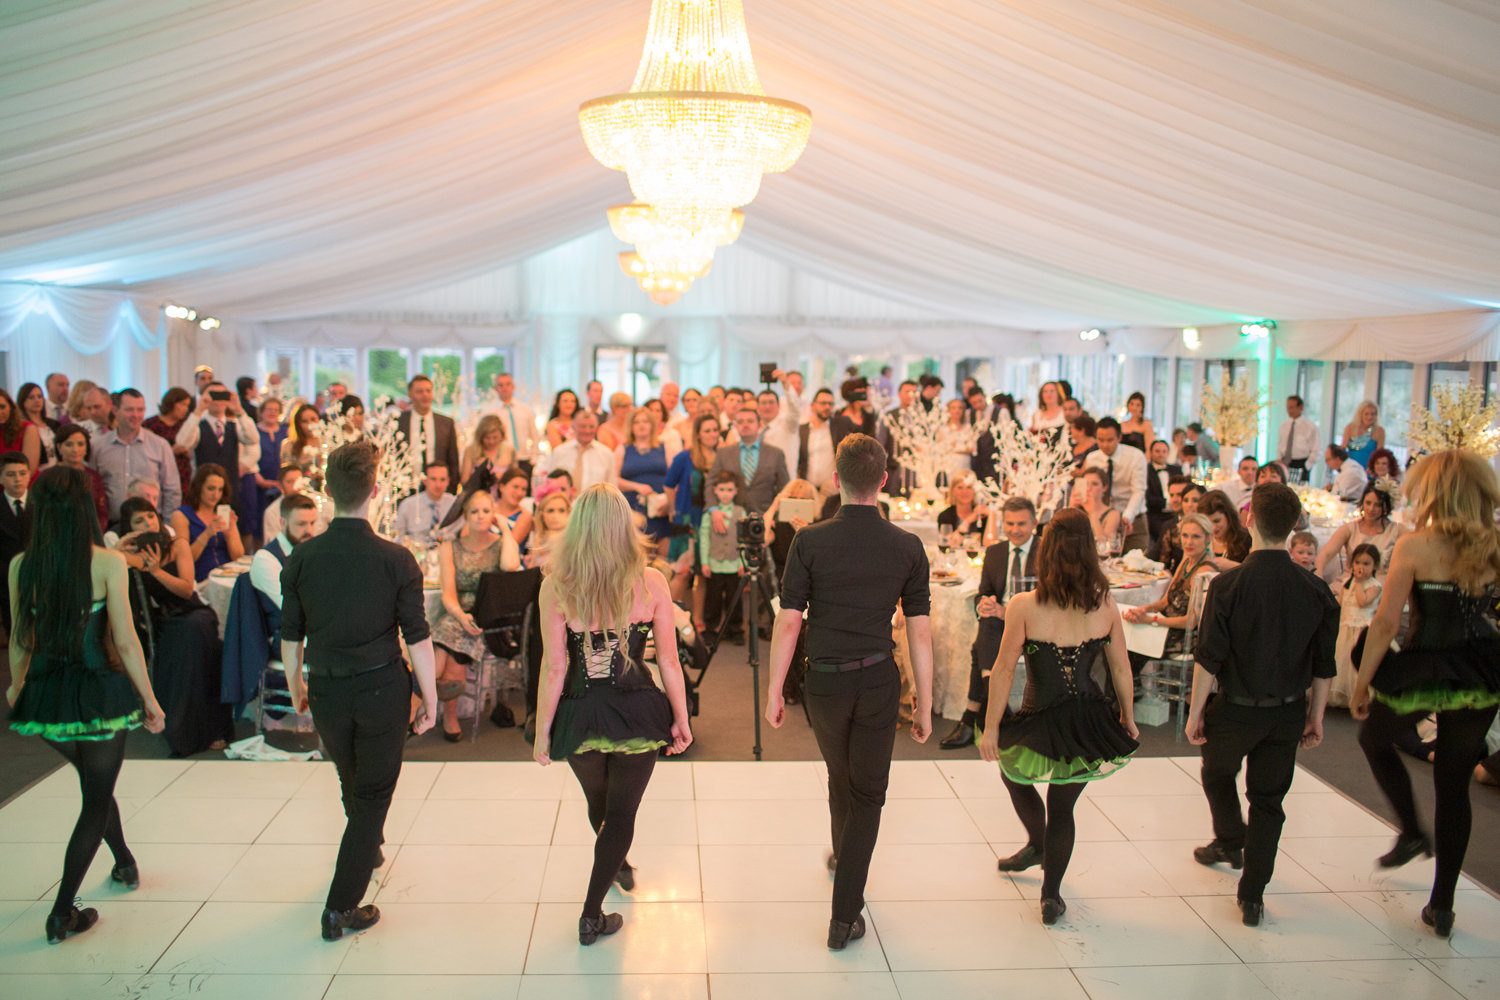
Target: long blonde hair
487, 423
1454, 494
600, 562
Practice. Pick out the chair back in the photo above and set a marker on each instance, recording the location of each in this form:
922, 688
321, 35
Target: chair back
1197, 597
501, 608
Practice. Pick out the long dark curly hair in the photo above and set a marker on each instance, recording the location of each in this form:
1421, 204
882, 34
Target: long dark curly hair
54, 583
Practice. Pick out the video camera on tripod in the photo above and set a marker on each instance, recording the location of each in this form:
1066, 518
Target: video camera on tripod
751, 536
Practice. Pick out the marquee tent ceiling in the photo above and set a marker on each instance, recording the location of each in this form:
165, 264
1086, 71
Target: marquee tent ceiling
1031, 164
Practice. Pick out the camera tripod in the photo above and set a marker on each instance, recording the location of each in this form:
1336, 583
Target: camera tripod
752, 592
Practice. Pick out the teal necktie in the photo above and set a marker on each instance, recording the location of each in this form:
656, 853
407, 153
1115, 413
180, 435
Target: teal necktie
747, 463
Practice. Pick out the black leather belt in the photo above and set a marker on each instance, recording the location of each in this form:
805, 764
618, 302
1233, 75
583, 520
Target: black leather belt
1264, 702
840, 668
330, 675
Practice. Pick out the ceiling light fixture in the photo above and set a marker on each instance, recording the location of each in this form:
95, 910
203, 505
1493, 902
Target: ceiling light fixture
664, 245
664, 287
1190, 338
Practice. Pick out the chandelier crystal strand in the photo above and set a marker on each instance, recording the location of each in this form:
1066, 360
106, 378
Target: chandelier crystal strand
668, 246
696, 131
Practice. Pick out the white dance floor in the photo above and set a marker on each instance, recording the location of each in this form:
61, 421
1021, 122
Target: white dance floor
486, 865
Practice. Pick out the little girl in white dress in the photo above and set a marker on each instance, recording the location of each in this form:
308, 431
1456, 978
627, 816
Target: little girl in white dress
1359, 600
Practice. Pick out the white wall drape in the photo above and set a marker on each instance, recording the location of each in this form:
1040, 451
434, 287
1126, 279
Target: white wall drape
108, 337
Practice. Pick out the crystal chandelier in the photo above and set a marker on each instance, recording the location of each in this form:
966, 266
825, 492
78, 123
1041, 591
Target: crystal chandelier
696, 131
663, 286
667, 246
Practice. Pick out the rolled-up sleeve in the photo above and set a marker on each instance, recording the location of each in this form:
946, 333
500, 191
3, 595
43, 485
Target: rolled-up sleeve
1212, 647
293, 627
916, 595
410, 611
796, 580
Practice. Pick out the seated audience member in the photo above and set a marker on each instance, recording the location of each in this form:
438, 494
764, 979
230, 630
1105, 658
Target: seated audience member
419, 518
75, 451
1383, 465
1167, 549
553, 506
144, 489
288, 481
1192, 494
487, 450
180, 634
1303, 545
208, 522
1239, 488
562, 480
1349, 477
511, 511
964, 520
15, 521
1092, 494
1230, 542
585, 455
1172, 609
1374, 526
299, 523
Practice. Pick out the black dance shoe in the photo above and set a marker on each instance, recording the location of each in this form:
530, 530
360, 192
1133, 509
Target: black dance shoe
379, 858
76, 921
336, 922
591, 929
1251, 912
832, 864
1026, 857
1212, 854
625, 878
1441, 921
840, 933
502, 716
1405, 850
127, 875
1052, 908
961, 736
457, 737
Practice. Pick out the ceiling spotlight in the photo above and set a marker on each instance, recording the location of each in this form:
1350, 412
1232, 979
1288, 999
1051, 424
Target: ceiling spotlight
180, 312
1088, 336
208, 323
1259, 330
631, 325
1190, 338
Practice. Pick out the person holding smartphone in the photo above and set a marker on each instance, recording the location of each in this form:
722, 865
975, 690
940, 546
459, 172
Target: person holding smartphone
219, 432
209, 525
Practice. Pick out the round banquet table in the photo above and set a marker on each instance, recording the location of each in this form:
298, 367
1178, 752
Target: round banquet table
219, 587
954, 626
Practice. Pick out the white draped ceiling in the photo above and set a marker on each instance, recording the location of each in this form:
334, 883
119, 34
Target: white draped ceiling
1017, 165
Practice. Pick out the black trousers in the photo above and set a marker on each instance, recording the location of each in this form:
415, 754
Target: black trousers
362, 722
717, 604
1265, 740
982, 661
854, 717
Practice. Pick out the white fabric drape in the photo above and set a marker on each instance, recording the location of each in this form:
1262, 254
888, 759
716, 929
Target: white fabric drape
109, 337
1016, 164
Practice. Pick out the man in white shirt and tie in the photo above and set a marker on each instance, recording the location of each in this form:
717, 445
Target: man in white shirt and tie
1238, 490
584, 458
518, 420
1349, 478
219, 432
1298, 440
57, 397
1126, 468
814, 449
1009, 568
419, 516
431, 436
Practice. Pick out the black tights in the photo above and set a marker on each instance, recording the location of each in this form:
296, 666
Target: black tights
1460, 745
98, 765
612, 784
1049, 829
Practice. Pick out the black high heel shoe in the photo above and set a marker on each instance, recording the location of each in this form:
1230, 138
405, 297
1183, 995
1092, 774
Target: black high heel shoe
127, 875
1441, 921
75, 921
591, 929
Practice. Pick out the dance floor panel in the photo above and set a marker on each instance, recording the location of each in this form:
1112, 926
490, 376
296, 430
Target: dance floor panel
486, 865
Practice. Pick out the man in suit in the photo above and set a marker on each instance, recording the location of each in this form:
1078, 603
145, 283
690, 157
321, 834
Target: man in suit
760, 467
57, 386
15, 520
1159, 515
1009, 566
431, 436
219, 432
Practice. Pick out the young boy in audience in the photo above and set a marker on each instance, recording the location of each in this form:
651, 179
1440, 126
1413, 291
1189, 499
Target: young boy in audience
1304, 549
719, 552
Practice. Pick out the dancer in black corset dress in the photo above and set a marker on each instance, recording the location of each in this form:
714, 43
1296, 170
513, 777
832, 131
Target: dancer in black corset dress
1065, 734
599, 708
1449, 662
69, 599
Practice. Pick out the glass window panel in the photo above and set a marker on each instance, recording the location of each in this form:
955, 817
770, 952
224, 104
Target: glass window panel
1491, 381
451, 364
612, 370
1454, 373
334, 364
1158, 400
650, 367
387, 373
1348, 393
1395, 402
287, 362
921, 366
488, 363
1187, 412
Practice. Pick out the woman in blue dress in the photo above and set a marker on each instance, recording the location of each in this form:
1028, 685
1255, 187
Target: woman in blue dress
1363, 435
259, 489
686, 479
212, 540
68, 597
641, 471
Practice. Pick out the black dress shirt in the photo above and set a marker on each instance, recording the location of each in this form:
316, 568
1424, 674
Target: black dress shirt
1268, 628
851, 570
345, 591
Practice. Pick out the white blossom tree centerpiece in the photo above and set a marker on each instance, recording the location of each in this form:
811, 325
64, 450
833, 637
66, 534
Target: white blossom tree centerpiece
395, 474
1038, 467
1232, 411
913, 437
1459, 418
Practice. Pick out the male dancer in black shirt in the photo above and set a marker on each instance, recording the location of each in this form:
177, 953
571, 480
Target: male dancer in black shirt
346, 592
851, 570
1267, 635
